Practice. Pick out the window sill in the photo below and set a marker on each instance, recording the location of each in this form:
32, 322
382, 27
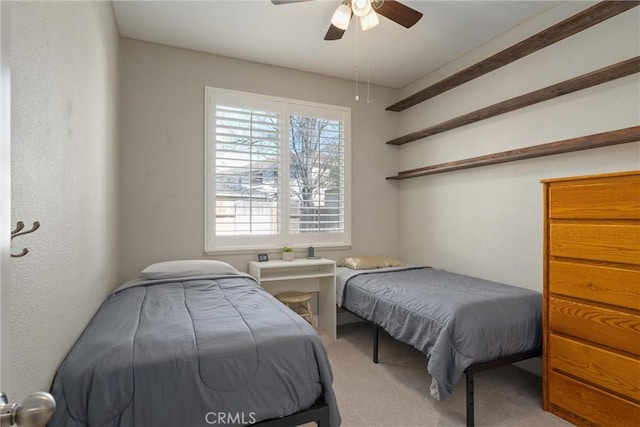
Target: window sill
274, 250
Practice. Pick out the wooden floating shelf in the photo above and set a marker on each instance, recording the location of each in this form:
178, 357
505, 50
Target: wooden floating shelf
603, 75
570, 26
605, 139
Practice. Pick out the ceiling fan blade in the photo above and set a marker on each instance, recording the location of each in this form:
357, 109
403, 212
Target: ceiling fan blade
276, 2
399, 13
334, 33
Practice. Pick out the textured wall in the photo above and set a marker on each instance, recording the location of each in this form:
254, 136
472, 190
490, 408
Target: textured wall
162, 151
488, 221
64, 174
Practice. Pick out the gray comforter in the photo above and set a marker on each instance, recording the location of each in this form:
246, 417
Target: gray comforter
192, 352
455, 320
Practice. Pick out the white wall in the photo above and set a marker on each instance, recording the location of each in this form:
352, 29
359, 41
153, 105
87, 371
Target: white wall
487, 221
162, 151
64, 174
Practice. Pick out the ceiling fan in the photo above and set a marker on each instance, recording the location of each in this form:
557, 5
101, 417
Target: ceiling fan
367, 11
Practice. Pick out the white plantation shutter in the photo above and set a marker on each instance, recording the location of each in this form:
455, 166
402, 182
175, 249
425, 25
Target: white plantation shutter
247, 155
316, 190
277, 173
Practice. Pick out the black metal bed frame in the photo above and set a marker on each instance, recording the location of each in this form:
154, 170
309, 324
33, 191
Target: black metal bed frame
470, 371
318, 413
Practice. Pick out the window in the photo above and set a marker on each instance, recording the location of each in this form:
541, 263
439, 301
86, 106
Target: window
277, 173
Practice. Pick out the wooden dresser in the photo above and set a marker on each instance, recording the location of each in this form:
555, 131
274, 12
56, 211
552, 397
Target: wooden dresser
591, 320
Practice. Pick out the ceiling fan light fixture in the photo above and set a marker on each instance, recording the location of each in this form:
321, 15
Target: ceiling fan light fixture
369, 21
361, 7
341, 17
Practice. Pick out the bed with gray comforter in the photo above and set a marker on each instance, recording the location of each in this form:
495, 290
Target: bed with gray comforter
455, 320
192, 352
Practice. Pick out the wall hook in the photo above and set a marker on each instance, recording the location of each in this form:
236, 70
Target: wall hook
18, 232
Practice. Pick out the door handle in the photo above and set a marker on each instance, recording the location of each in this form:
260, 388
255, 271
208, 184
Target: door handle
35, 410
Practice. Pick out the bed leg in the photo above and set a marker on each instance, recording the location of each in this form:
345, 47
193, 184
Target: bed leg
323, 419
469, 376
376, 330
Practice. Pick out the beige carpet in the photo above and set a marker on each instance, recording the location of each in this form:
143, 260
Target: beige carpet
395, 392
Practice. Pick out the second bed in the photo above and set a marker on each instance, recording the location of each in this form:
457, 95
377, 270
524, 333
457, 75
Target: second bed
460, 323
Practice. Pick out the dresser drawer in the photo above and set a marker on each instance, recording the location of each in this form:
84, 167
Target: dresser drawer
599, 200
611, 328
609, 285
594, 405
618, 243
610, 370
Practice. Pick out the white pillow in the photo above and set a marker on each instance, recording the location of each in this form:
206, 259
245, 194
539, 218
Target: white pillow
186, 268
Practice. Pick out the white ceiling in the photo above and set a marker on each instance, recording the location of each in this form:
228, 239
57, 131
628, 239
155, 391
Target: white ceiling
291, 35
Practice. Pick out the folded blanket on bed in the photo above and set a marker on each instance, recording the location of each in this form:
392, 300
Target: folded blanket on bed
184, 352
455, 320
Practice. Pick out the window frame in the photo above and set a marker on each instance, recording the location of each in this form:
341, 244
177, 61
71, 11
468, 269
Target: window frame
273, 243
